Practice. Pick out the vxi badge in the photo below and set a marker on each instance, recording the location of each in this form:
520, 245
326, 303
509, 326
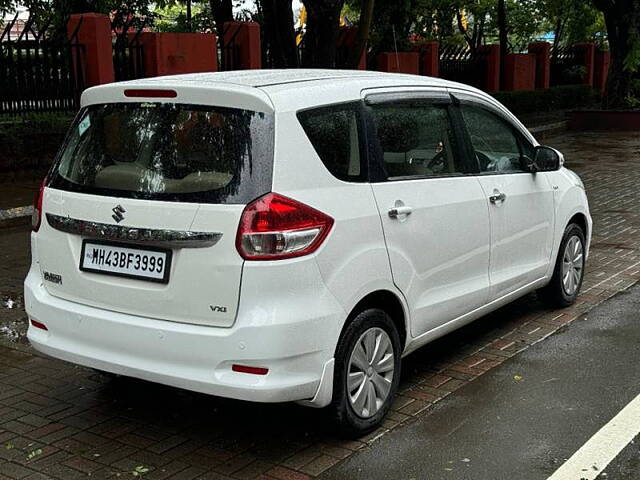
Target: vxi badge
53, 278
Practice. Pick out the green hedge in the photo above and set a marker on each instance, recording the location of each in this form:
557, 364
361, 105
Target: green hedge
31, 141
555, 98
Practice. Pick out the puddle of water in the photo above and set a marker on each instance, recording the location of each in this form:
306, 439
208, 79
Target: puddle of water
13, 321
14, 330
11, 302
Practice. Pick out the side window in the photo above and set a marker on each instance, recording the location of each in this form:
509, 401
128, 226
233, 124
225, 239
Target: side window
416, 140
334, 132
498, 146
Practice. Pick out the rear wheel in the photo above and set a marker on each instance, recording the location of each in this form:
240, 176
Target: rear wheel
567, 277
367, 372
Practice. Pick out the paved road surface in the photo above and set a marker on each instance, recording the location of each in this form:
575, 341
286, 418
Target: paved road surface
535, 410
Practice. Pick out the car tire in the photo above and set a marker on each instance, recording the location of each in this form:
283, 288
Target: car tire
564, 287
364, 388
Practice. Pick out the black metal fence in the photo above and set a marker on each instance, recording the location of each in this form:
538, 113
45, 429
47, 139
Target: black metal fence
567, 67
128, 57
228, 49
461, 64
39, 73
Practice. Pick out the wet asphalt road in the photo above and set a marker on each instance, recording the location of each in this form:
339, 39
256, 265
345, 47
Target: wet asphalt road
534, 411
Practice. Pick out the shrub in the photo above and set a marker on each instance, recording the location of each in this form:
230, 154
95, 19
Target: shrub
31, 141
555, 98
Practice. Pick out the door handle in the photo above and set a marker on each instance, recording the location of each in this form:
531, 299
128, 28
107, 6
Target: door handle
395, 212
497, 197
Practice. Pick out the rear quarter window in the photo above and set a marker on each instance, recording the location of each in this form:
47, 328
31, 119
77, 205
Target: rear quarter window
335, 132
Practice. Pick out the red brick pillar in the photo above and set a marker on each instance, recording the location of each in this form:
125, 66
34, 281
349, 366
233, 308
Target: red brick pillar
94, 32
400, 62
520, 72
246, 36
587, 51
431, 59
601, 69
542, 51
173, 53
491, 55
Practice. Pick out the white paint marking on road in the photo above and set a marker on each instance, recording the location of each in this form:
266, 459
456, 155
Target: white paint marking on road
594, 456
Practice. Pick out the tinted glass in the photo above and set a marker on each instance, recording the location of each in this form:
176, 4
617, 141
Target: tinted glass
169, 152
335, 134
499, 148
416, 140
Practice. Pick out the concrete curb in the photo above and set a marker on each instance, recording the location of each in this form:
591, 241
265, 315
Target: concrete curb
22, 215
16, 216
544, 131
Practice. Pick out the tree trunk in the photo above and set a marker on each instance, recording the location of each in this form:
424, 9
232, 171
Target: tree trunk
279, 33
364, 30
503, 35
323, 21
222, 11
189, 17
622, 18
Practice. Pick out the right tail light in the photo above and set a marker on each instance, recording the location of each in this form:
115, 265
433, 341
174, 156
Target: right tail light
275, 227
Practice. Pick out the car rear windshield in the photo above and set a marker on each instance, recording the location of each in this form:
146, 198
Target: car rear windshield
168, 151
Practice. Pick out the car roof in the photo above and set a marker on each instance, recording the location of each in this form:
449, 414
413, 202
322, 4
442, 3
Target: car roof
269, 78
284, 90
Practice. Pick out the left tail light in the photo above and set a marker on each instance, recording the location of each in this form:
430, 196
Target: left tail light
275, 227
36, 216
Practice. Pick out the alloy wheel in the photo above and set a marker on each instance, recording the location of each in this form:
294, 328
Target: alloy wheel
572, 265
370, 373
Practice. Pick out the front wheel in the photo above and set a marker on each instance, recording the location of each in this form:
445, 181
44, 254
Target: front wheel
367, 372
568, 273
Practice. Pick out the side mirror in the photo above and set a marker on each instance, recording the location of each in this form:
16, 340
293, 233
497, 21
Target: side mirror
547, 159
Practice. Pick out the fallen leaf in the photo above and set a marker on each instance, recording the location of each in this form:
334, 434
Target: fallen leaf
34, 454
517, 378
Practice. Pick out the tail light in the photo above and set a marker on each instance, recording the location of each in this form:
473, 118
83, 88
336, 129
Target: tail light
274, 227
36, 216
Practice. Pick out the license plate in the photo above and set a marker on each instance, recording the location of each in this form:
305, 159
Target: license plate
143, 263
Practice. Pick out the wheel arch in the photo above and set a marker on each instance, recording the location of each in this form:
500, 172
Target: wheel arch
387, 301
579, 219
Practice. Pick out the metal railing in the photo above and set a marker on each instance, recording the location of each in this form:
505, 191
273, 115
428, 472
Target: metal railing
566, 66
461, 64
128, 57
39, 73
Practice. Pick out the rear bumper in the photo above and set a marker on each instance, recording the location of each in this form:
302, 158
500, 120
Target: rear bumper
194, 357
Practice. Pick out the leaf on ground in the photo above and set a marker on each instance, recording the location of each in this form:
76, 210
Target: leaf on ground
517, 378
139, 471
34, 453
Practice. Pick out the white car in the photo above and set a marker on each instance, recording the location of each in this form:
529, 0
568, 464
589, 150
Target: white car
290, 235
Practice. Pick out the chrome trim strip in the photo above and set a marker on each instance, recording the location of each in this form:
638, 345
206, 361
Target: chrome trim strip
144, 236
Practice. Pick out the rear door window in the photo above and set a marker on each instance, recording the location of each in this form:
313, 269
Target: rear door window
417, 140
166, 151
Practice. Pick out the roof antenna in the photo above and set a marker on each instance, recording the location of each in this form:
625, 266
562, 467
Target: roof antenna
395, 46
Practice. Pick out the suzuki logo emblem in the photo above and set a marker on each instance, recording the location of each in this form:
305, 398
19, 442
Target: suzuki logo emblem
118, 213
